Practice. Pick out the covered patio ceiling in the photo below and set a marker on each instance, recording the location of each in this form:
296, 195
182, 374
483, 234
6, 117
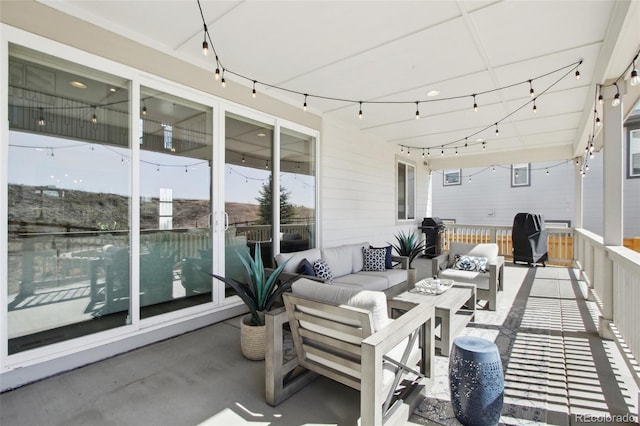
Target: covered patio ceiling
394, 55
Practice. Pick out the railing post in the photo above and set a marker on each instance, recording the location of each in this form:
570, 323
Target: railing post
493, 235
604, 320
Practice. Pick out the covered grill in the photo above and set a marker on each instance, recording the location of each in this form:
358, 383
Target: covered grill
433, 228
530, 240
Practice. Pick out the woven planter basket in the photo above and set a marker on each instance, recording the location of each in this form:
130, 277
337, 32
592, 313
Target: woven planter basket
252, 339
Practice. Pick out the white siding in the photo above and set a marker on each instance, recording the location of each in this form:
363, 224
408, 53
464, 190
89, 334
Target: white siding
358, 187
489, 198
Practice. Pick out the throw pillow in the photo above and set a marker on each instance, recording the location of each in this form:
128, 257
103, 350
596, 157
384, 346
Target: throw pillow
470, 263
306, 268
374, 259
388, 261
322, 270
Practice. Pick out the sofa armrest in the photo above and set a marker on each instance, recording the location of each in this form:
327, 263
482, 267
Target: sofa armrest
439, 263
403, 260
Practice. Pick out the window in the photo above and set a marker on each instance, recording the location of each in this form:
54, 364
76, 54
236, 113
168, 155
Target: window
406, 190
634, 154
520, 175
452, 177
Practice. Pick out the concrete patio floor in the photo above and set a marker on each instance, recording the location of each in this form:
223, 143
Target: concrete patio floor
557, 371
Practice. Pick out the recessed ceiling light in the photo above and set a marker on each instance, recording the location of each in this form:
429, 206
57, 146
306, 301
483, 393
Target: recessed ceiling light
433, 93
262, 135
480, 140
78, 84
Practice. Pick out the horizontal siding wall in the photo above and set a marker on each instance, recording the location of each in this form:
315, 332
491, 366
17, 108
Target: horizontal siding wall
489, 199
357, 187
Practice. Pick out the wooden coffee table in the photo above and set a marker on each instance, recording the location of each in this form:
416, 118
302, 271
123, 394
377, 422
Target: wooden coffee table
454, 309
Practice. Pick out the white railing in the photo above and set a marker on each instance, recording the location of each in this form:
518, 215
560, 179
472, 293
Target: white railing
560, 241
613, 275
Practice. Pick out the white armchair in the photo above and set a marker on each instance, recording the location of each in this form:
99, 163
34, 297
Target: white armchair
346, 335
477, 264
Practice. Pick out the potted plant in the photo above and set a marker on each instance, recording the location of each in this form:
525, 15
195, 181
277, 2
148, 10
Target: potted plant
410, 246
259, 293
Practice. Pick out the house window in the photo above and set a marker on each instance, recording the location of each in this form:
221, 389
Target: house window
520, 175
406, 191
634, 154
452, 177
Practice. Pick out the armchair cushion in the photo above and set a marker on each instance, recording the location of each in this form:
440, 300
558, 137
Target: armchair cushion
470, 263
373, 301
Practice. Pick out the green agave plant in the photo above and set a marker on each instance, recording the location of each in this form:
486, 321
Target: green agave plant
261, 291
408, 244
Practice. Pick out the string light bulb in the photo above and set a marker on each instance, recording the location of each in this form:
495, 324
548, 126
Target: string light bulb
222, 81
493, 169
253, 92
360, 112
547, 172
205, 45
217, 73
466, 143
417, 110
531, 91
578, 73
484, 146
616, 98
94, 117
497, 131
422, 152
634, 79
475, 104
535, 108
304, 107
428, 153
41, 121
442, 151
598, 122
144, 110
408, 151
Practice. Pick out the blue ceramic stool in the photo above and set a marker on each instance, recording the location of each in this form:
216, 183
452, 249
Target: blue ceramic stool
476, 381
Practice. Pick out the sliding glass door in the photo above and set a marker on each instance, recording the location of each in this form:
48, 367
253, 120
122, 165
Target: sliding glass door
175, 202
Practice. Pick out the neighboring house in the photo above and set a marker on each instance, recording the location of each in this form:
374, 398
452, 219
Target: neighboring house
494, 195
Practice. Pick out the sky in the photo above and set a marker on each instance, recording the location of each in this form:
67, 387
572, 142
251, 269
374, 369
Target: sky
39, 160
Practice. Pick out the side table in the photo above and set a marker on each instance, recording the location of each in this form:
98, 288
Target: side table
476, 381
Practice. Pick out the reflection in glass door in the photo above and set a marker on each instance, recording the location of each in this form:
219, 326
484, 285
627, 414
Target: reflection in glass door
175, 202
248, 192
69, 191
297, 191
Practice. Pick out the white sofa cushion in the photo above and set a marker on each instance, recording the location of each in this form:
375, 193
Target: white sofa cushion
362, 281
393, 276
357, 257
339, 259
292, 267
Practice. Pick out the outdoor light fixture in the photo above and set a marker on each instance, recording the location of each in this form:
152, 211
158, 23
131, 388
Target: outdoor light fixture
634, 79
616, 99
41, 121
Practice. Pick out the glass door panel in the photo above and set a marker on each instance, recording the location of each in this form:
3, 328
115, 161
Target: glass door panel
297, 191
69, 191
175, 202
248, 193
